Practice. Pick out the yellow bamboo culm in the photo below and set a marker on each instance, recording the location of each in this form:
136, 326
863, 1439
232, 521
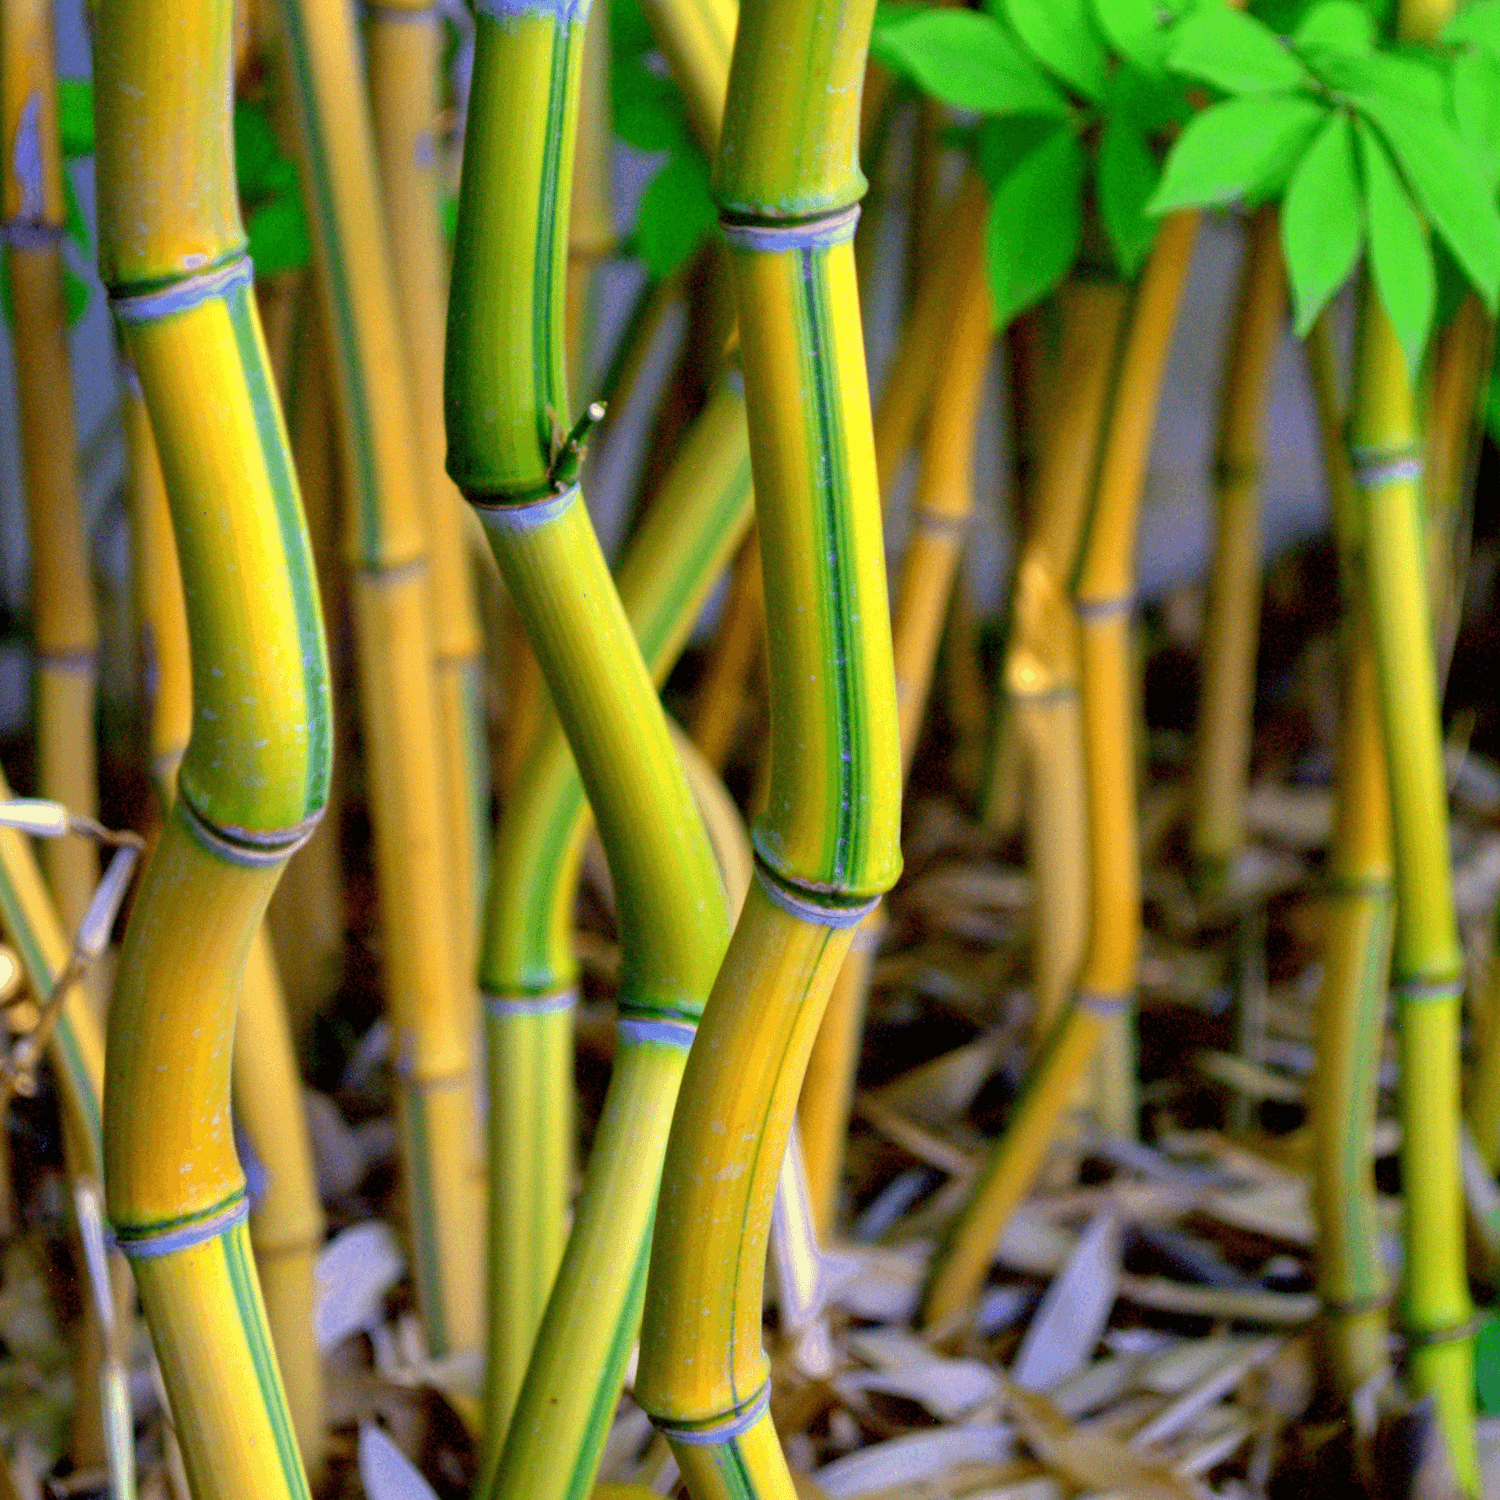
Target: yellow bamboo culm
254, 777
1221, 761
1103, 601
1350, 1021
944, 502
286, 1217
720, 706
404, 46
1041, 669
432, 998
591, 217
64, 630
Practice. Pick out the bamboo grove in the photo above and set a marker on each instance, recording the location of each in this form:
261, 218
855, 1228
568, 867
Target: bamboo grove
605, 821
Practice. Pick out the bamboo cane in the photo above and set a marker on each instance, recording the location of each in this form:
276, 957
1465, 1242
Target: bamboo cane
1428, 960
511, 452
1221, 760
528, 970
591, 222
944, 502
1103, 601
306, 917
255, 773
65, 634
828, 845
720, 705
1041, 669
1356, 950
404, 46
286, 1218
431, 997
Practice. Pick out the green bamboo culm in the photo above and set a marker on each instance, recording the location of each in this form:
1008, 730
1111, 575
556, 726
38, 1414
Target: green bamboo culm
1428, 959
529, 969
1357, 917
509, 450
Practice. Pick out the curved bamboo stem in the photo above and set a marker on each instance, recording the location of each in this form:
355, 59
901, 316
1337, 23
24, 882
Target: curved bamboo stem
591, 219
1103, 601
511, 452
432, 1002
720, 704
944, 502
65, 633
827, 846
528, 969
254, 778
1221, 760
1356, 949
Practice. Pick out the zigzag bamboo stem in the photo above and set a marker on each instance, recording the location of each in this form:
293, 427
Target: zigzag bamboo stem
431, 997
254, 777
1222, 756
65, 634
404, 49
827, 846
1356, 948
1429, 969
1103, 601
507, 414
944, 502
286, 1218
529, 971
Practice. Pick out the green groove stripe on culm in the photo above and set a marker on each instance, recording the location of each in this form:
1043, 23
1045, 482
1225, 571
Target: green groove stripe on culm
607, 1394
847, 825
242, 1277
548, 375
349, 368
423, 1213
539, 970
301, 576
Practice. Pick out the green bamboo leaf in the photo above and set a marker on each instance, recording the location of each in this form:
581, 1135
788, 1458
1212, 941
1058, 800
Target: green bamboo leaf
1133, 28
1487, 1345
1479, 24
75, 295
677, 213
1322, 221
647, 111
75, 116
1400, 257
1127, 174
1475, 87
1035, 220
1060, 35
1233, 52
1376, 75
1003, 140
1341, 24
967, 59
1446, 187
1240, 149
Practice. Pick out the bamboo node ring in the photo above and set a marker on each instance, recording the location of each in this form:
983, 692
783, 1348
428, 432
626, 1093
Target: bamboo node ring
811, 234
144, 1242
717, 1430
823, 909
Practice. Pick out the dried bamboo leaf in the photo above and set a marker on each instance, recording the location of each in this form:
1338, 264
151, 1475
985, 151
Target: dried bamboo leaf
1065, 1331
1090, 1458
1206, 1392
914, 1458
1250, 1305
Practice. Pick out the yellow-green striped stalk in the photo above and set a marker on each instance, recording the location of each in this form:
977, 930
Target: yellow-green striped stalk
720, 703
254, 778
591, 223
1357, 918
943, 504
286, 1218
1221, 760
404, 43
1103, 601
1428, 961
528, 971
1041, 667
827, 846
697, 39
64, 632
432, 999
510, 451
